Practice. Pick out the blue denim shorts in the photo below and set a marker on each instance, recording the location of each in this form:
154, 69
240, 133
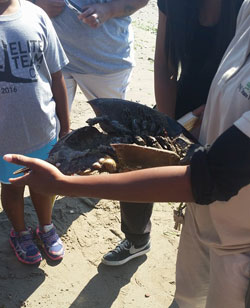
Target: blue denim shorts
7, 169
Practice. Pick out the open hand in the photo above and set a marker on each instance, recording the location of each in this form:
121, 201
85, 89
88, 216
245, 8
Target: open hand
43, 177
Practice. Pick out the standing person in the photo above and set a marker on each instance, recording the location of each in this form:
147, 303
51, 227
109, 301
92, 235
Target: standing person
191, 39
99, 45
213, 257
32, 94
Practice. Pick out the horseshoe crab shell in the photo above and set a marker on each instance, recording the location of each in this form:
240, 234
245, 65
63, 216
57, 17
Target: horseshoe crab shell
129, 157
123, 136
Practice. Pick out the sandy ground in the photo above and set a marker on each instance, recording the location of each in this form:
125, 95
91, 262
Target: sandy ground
90, 228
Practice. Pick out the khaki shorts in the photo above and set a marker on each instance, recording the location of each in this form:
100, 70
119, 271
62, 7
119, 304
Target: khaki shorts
97, 86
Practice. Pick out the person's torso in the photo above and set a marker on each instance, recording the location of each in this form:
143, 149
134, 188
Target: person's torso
198, 65
229, 95
27, 108
103, 50
227, 227
197, 71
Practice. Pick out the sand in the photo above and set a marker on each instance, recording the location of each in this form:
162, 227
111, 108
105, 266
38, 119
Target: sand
89, 228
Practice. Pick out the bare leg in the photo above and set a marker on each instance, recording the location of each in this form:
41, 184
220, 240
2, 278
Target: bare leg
46, 232
21, 242
13, 205
43, 205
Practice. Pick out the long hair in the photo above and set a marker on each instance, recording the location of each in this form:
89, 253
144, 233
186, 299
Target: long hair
182, 19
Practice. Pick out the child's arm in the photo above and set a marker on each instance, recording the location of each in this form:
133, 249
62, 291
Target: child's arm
60, 96
216, 174
148, 185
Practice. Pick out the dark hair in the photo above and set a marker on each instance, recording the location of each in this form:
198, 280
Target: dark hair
182, 18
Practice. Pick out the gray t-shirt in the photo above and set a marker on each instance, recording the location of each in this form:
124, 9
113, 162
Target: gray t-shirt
29, 52
104, 50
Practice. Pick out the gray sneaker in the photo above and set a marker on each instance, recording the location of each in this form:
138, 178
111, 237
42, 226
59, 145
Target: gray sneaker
124, 252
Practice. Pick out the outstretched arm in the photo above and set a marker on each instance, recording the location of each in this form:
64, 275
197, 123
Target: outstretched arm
214, 174
148, 185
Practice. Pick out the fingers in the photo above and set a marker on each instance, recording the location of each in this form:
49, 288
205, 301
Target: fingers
93, 21
87, 12
35, 164
41, 176
20, 160
96, 19
29, 163
17, 159
20, 181
90, 17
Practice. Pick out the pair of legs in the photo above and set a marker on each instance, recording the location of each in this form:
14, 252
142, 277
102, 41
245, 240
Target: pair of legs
12, 198
135, 218
13, 204
207, 277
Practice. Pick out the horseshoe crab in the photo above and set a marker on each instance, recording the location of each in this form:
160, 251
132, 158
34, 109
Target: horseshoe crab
123, 136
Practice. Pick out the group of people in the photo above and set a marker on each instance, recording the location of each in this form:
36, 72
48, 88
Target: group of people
43, 66
99, 46
202, 65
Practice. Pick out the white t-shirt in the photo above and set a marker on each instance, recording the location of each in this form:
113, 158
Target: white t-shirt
229, 95
225, 226
29, 53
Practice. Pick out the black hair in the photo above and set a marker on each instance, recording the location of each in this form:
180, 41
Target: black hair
182, 19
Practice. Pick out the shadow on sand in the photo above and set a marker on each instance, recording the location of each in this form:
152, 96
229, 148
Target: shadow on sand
103, 289
15, 273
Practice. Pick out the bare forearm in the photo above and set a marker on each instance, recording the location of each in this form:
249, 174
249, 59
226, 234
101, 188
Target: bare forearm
122, 8
164, 184
209, 177
164, 73
165, 93
60, 97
